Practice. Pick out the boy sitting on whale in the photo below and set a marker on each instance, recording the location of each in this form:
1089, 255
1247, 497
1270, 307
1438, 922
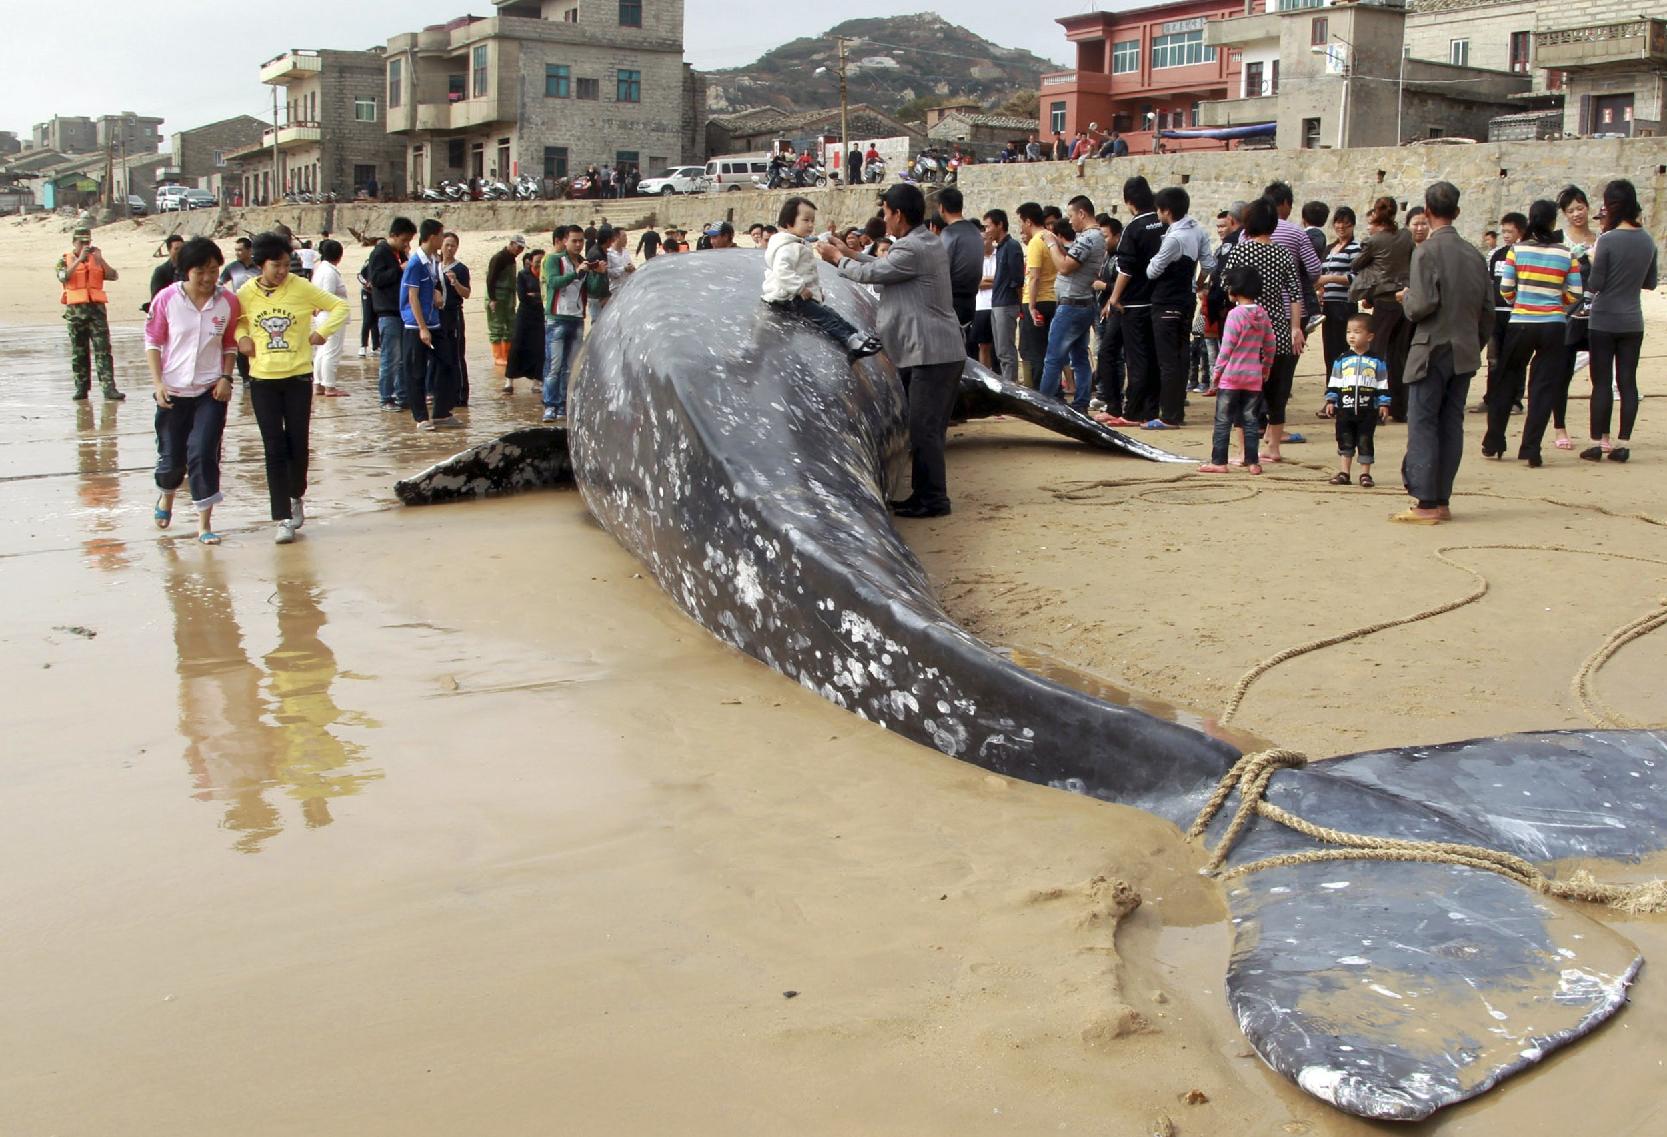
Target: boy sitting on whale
790, 283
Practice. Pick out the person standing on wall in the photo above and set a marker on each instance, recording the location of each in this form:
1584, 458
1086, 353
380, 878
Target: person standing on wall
1449, 302
917, 325
83, 271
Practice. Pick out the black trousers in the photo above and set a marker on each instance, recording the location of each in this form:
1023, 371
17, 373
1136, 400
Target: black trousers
966, 308
1335, 328
1276, 391
1435, 431
283, 411
829, 322
370, 329
1615, 356
1171, 329
1108, 362
1391, 339
428, 369
1033, 339
932, 392
1547, 378
1140, 357
1496, 352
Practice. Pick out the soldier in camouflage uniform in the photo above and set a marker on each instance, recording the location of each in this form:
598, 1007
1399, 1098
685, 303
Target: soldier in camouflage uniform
82, 271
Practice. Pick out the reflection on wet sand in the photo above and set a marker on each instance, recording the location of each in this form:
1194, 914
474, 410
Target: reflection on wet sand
99, 484
249, 729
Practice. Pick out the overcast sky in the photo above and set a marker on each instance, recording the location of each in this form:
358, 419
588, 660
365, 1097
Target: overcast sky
148, 57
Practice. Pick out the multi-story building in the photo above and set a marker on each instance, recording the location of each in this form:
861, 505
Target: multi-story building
9, 143
1605, 59
67, 134
545, 88
128, 133
1140, 71
202, 155
1338, 74
330, 135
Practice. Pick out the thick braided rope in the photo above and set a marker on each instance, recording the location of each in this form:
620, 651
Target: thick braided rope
1251, 775
1596, 709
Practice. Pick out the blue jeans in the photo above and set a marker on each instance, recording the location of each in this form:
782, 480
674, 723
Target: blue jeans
1237, 408
188, 443
561, 344
390, 371
1068, 338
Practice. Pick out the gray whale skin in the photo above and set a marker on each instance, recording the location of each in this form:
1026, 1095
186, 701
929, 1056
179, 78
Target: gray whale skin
747, 465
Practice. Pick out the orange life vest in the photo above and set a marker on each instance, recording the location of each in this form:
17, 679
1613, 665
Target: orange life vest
85, 285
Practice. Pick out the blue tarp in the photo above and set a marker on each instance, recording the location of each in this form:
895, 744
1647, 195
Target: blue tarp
1253, 130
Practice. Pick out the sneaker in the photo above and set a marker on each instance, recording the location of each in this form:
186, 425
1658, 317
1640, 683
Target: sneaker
285, 534
389, 407
1096, 406
1313, 322
426, 424
361, 353
297, 512
549, 415
449, 422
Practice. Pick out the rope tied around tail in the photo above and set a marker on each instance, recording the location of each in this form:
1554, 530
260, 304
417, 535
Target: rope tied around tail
1251, 775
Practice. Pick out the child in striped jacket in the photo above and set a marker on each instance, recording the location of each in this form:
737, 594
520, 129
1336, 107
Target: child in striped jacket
1242, 363
1357, 396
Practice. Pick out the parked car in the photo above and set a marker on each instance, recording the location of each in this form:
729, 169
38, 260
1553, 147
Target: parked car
173, 198
136, 206
729, 172
680, 179
200, 199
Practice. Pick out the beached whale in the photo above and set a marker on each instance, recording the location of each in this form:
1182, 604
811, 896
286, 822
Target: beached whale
747, 466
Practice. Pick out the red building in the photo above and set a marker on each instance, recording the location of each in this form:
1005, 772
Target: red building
1140, 71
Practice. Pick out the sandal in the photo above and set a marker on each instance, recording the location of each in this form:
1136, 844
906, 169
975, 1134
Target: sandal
162, 517
208, 537
1564, 444
336, 393
1339, 479
1367, 482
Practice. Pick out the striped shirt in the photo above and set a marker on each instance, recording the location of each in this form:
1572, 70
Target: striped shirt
1294, 240
1359, 384
1246, 349
1338, 262
1541, 283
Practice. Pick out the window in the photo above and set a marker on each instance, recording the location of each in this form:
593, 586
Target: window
480, 70
219, 157
1122, 122
627, 86
456, 153
364, 110
1273, 81
1458, 52
571, 16
363, 176
1521, 46
1178, 49
1294, 5
1319, 31
1435, 132
555, 161
590, 89
1192, 115
394, 70
1125, 56
1253, 80
1056, 117
558, 81
1310, 134
625, 160
630, 13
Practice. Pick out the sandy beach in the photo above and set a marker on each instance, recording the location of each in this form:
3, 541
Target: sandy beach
446, 820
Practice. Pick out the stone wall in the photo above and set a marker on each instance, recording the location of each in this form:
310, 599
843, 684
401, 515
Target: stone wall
1494, 177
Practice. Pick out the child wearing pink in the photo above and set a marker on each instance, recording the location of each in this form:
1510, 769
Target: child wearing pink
1242, 363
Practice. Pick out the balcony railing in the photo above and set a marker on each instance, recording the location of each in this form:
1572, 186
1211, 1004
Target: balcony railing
1601, 45
291, 65
293, 134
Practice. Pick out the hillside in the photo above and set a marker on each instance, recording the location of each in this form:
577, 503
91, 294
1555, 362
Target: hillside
894, 61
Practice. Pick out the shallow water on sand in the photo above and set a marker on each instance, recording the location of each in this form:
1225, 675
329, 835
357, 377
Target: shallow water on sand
446, 821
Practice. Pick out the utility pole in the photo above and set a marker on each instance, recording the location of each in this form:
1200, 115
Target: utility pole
272, 197
844, 117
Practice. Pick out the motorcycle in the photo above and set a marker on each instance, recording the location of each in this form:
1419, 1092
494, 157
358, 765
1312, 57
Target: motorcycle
433, 193
494, 191
453, 191
927, 167
526, 188
875, 171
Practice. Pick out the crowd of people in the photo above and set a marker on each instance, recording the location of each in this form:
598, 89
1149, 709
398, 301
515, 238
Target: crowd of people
1123, 318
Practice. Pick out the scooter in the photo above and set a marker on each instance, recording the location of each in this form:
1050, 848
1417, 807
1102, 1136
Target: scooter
494, 191
874, 171
526, 188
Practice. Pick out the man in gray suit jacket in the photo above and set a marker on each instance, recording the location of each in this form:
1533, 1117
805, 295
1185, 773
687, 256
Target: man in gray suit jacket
1449, 300
918, 327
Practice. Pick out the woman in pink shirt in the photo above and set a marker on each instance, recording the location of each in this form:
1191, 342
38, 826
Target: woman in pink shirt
191, 346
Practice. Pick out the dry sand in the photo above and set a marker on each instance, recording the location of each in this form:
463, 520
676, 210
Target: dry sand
447, 821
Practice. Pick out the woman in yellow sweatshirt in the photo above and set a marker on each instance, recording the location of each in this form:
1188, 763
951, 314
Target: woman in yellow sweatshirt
275, 330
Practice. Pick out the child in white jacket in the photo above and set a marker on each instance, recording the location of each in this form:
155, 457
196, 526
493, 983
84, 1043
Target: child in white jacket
791, 285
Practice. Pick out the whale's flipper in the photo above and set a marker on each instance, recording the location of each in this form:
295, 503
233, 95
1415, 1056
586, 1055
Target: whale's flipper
519, 460
984, 393
1391, 990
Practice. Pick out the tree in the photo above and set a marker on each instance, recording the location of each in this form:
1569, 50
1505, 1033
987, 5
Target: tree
1022, 104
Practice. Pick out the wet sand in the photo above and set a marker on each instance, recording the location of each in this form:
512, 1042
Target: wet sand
446, 819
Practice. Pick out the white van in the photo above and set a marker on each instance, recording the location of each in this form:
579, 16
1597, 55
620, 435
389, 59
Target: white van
735, 171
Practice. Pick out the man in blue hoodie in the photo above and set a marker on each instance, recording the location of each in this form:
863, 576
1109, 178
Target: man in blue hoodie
1182, 260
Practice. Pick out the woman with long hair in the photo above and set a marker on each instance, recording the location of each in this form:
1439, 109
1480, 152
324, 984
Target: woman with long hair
526, 345
1579, 236
1623, 265
1540, 279
1382, 268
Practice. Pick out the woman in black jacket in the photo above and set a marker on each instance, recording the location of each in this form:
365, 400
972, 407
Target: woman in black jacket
526, 349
